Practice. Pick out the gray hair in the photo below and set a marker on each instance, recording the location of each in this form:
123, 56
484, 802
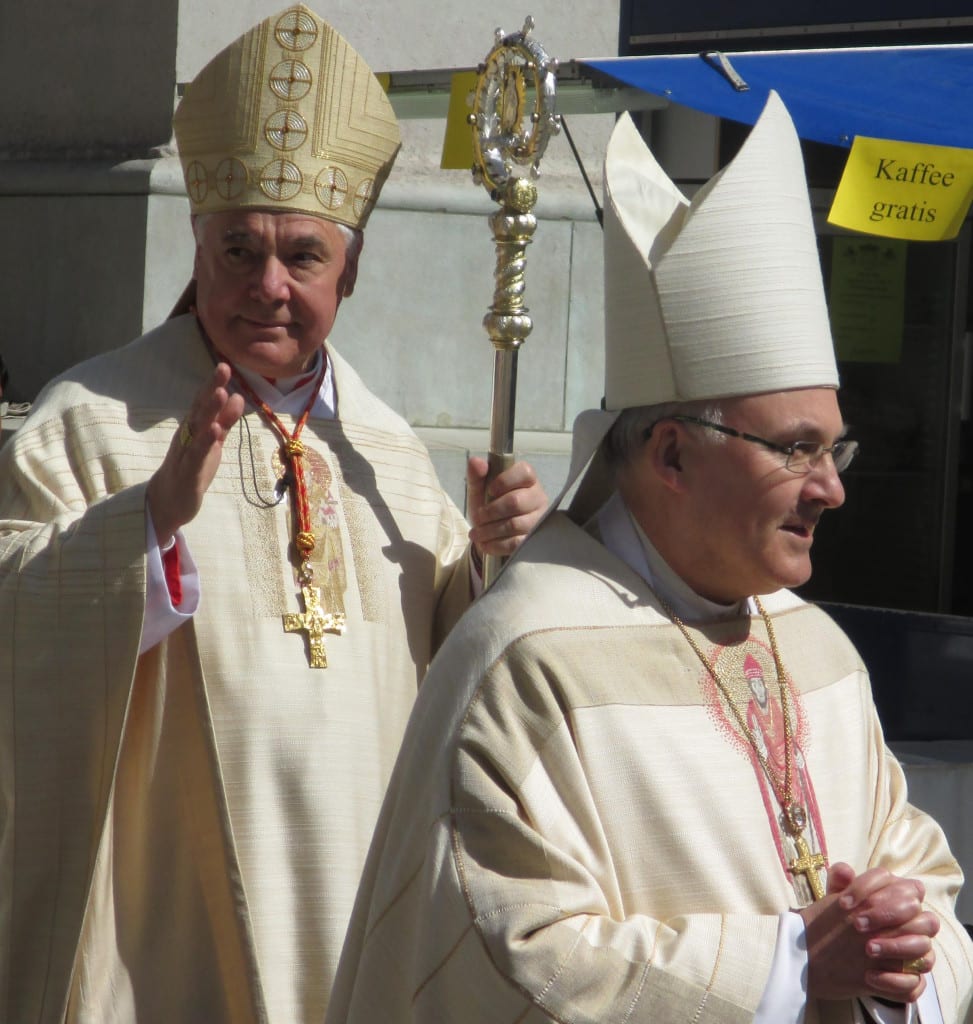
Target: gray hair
631, 430
354, 238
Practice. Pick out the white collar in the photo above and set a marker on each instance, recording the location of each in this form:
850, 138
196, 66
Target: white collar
289, 395
625, 539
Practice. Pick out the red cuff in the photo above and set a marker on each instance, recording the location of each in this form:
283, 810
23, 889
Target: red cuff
173, 574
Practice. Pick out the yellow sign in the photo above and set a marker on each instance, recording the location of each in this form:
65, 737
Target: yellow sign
458, 141
904, 190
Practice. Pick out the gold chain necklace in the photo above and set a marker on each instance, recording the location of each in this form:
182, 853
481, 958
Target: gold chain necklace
794, 815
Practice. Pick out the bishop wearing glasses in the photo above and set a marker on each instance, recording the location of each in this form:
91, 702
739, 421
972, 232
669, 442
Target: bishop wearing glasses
644, 781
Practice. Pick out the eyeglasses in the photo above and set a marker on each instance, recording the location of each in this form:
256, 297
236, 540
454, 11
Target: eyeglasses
801, 456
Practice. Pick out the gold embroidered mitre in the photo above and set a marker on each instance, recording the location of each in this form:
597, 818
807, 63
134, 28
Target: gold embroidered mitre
289, 117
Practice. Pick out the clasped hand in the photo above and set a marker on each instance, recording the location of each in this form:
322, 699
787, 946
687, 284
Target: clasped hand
864, 934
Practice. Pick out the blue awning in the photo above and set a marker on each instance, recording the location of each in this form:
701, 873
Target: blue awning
908, 93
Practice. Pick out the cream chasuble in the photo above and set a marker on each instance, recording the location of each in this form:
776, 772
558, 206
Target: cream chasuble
183, 832
575, 832
785, 996
755, 722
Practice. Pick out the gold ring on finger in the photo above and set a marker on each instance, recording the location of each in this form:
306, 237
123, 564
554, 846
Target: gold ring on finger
185, 434
916, 966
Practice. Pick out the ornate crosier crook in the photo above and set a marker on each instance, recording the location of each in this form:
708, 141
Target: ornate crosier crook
505, 135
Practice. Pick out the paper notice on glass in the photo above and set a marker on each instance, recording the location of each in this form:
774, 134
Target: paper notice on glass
867, 299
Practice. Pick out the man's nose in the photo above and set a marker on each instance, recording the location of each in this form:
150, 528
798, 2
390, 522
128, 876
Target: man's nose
271, 282
823, 484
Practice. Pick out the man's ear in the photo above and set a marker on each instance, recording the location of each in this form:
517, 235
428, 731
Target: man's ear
350, 274
348, 279
665, 450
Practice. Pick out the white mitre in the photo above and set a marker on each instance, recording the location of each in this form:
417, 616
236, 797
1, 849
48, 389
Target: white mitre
708, 299
720, 296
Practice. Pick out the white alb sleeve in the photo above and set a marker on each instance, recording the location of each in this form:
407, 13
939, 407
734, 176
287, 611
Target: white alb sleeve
161, 616
785, 995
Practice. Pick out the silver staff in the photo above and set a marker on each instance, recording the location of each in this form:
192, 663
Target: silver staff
513, 118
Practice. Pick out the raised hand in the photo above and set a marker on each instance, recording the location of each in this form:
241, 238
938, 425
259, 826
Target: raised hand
176, 489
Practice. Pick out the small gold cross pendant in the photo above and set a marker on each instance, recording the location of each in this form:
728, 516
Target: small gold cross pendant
315, 621
808, 864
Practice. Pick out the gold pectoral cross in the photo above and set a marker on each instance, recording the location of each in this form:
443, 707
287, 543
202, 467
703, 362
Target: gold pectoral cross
316, 622
808, 864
